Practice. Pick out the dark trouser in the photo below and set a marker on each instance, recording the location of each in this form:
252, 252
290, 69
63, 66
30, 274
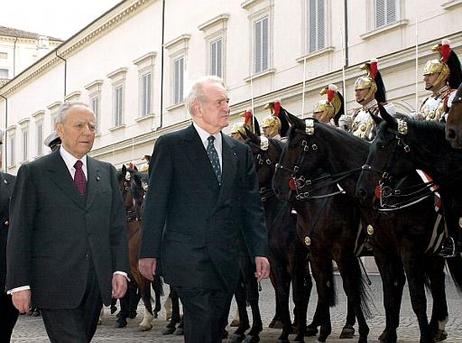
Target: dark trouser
8, 317
205, 313
77, 325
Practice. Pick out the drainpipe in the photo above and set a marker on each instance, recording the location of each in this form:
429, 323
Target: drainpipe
346, 31
14, 56
5, 138
162, 67
65, 72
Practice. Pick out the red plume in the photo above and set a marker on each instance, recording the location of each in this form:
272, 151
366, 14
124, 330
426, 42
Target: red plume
373, 68
248, 117
445, 50
277, 108
331, 90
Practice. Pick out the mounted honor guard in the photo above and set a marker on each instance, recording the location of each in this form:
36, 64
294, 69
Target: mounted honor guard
369, 93
442, 77
250, 123
330, 109
275, 125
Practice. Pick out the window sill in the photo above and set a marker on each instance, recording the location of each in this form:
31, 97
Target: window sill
449, 5
145, 117
115, 128
380, 30
261, 74
175, 106
316, 53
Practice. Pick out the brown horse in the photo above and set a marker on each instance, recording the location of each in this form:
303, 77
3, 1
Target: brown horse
133, 191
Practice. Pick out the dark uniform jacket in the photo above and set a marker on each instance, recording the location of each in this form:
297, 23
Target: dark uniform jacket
190, 222
56, 235
6, 188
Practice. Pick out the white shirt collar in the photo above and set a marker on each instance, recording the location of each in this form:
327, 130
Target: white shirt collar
204, 135
70, 160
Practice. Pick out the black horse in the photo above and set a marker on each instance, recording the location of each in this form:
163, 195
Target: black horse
330, 229
454, 121
287, 255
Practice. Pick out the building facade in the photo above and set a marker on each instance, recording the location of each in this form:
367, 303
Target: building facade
134, 64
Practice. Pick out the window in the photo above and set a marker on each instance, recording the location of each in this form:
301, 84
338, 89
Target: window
216, 57
3, 73
178, 80
146, 94
11, 151
261, 52
386, 12
316, 25
118, 107
94, 105
25, 144
39, 135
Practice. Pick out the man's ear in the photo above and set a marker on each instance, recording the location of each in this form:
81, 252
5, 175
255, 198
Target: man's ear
197, 109
59, 128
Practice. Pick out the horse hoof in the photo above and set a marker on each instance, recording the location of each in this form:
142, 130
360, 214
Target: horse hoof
277, 324
347, 332
251, 339
132, 314
145, 327
236, 338
283, 340
113, 309
440, 335
386, 337
120, 323
179, 331
155, 315
311, 331
299, 339
168, 330
234, 323
362, 340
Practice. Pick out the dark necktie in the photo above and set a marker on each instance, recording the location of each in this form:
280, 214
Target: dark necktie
213, 157
79, 178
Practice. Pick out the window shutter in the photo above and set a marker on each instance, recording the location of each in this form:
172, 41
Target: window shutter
39, 139
380, 19
391, 11
178, 80
265, 47
258, 46
321, 24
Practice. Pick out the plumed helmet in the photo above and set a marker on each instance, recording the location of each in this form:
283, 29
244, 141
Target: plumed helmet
372, 81
448, 66
279, 113
251, 122
332, 106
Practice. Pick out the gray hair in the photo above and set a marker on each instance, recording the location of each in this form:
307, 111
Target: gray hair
197, 91
64, 110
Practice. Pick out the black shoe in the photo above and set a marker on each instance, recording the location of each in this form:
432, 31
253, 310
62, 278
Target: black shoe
448, 248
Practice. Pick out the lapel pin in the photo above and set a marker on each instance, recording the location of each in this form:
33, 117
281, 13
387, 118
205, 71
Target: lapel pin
98, 178
5, 181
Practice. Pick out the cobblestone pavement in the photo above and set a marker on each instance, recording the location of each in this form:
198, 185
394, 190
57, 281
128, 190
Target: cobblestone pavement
30, 329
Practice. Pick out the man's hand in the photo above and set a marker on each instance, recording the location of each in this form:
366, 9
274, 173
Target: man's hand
21, 300
119, 286
147, 267
263, 268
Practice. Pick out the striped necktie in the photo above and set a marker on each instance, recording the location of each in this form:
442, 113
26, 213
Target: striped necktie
213, 157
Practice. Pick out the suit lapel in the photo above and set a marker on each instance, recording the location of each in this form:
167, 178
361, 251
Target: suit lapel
93, 180
195, 152
59, 174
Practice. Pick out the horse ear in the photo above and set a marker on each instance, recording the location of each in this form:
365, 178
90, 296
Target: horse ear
386, 116
252, 136
124, 169
295, 121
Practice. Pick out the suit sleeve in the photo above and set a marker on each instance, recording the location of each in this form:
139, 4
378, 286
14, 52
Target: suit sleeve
157, 199
19, 244
118, 232
254, 229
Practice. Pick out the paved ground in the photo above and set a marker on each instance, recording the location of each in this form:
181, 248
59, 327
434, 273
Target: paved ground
30, 329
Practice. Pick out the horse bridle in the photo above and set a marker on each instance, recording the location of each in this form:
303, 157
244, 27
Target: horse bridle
416, 194
297, 183
261, 161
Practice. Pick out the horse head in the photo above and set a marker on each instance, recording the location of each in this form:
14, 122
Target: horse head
454, 121
387, 160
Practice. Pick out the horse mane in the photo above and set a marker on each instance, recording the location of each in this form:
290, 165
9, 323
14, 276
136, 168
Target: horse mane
431, 136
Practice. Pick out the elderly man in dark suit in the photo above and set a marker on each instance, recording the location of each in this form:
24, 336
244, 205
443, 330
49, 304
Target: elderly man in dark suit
8, 313
203, 191
67, 244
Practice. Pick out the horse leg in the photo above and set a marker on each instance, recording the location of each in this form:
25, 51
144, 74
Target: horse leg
134, 299
157, 286
145, 289
241, 301
301, 289
439, 318
122, 316
323, 274
393, 279
415, 272
252, 297
354, 288
175, 316
282, 283
276, 321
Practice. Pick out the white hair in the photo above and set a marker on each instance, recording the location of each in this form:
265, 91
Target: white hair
197, 91
64, 110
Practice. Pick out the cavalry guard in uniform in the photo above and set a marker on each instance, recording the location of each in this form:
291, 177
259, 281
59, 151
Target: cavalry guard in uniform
369, 92
275, 125
329, 110
442, 77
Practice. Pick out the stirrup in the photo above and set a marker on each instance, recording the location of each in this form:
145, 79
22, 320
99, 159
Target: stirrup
448, 250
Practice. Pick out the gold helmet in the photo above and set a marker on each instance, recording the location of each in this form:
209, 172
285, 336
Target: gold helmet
238, 131
439, 66
326, 109
271, 126
372, 81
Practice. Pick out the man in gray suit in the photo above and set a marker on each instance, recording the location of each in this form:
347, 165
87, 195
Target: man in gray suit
203, 191
67, 244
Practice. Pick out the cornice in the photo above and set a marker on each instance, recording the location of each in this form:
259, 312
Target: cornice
54, 105
249, 3
24, 121
119, 72
38, 114
70, 96
149, 56
182, 39
94, 85
219, 19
